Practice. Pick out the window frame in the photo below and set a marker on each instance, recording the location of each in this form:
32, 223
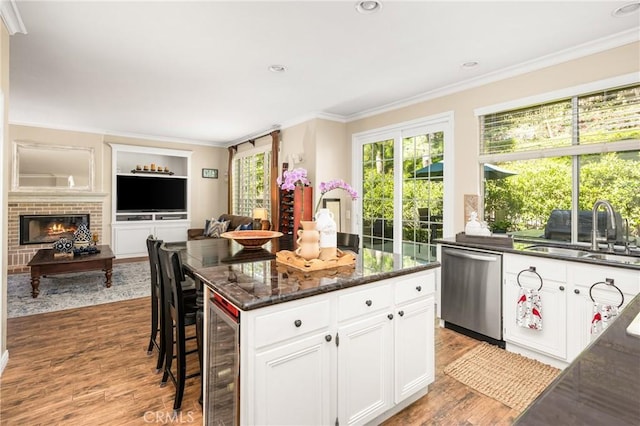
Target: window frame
251, 152
575, 150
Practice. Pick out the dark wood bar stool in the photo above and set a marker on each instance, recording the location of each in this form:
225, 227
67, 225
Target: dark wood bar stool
156, 338
179, 313
348, 241
156, 314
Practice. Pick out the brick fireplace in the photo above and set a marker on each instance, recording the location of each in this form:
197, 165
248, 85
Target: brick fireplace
19, 254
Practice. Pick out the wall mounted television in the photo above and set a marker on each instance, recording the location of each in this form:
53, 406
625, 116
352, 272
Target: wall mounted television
150, 194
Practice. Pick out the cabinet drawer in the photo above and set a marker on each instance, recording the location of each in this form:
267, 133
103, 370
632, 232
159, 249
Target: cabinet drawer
548, 269
414, 288
628, 281
282, 325
364, 301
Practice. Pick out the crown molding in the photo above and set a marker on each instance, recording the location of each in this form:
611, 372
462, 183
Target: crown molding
575, 52
11, 17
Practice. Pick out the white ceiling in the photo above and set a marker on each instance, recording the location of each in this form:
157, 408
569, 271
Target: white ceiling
198, 71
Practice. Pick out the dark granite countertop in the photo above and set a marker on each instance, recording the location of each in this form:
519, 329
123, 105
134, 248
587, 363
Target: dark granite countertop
519, 248
600, 387
252, 279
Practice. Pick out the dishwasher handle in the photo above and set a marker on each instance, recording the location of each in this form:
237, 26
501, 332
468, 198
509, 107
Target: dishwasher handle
467, 255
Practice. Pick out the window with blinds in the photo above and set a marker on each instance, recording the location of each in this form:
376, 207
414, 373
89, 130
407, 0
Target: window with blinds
251, 182
557, 159
606, 116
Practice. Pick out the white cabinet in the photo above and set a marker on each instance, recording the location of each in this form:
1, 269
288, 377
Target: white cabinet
131, 228
293, 383
365, 356
414, 349
580, 307
289, 364
567, 308
550, 278
352, 356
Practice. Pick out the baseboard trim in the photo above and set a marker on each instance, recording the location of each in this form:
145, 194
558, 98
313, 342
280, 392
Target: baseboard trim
3, 361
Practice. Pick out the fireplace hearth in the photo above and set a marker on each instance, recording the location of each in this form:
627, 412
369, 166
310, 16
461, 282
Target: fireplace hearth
42, 229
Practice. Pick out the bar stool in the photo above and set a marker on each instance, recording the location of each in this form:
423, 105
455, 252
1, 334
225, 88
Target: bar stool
179, 313
157, 317
348, 241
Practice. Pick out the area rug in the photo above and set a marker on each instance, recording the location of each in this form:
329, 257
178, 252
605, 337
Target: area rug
76, 290
504, 376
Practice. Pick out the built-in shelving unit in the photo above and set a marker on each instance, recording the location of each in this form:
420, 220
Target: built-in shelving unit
130, 229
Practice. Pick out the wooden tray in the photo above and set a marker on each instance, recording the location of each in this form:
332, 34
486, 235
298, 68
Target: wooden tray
289, 258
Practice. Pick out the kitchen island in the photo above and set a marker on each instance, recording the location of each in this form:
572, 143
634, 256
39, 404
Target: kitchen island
348, 345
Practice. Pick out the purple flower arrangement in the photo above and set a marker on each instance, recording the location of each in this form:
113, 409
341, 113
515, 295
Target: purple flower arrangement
298, 177
335, 184
292, 178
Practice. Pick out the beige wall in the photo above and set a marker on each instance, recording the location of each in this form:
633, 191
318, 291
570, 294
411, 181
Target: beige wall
611, 63
208, 196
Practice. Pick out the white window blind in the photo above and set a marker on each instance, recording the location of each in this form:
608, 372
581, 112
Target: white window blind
602, 117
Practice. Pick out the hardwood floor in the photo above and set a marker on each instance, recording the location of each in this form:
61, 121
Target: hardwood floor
89, 366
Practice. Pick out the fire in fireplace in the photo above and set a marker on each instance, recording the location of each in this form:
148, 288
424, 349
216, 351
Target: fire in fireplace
42, 229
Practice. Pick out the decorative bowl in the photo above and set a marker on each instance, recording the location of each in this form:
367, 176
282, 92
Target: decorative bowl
251, 239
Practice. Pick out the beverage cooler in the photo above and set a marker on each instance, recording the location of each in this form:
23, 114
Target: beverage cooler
223, 363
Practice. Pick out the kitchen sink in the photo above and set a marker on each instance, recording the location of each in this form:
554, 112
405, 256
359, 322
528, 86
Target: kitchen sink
610, 257
559, 251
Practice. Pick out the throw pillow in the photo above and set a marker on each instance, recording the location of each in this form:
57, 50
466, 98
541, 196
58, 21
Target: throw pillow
216, 228
207, 226
245, 227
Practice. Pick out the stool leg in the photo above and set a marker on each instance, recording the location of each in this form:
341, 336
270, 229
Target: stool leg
162, 348
168, 359
181, 365
154, 322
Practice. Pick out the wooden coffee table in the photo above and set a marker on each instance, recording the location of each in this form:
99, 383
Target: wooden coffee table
43, 263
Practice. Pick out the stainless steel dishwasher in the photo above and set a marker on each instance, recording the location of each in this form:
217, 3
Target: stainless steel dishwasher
472, 292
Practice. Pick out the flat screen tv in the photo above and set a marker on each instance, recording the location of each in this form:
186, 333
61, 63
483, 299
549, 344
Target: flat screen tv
150, 194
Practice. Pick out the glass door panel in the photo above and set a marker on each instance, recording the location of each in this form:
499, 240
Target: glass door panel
377, 195
422, 193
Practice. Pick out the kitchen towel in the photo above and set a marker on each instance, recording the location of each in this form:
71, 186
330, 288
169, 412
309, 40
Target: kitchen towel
529, 309
602, 314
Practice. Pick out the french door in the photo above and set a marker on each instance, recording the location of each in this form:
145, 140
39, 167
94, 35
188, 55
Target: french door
402, 207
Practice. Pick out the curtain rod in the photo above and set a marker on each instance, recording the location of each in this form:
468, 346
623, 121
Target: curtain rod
252, 141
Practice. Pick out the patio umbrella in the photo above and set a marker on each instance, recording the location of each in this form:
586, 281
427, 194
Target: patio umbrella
491, 171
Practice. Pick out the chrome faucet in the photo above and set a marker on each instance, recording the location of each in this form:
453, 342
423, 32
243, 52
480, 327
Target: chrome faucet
594, 225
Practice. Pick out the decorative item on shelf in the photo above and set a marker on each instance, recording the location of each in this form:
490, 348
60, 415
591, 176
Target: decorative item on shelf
308, 240
95, 238
82, 236
63, 249
261, 219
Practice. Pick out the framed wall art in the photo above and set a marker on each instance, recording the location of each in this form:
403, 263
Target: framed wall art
210, 173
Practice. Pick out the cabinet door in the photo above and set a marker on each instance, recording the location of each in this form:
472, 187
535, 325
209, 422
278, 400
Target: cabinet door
293, 383
414, 348
551, 339
129, 241
172, 233
364, 368
580, 305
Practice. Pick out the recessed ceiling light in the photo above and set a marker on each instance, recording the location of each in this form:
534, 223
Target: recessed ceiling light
368, 6
626, 9
277, 68
470, 64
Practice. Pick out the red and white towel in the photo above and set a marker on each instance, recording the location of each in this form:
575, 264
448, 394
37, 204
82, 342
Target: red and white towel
602, 315
529, 309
